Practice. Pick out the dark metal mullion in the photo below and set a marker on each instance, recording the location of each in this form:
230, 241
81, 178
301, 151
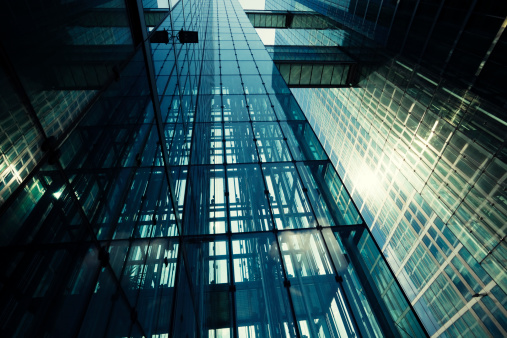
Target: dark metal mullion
176, 286
423, 329
297, 267
87, 302
136, 5
458, 37
149, 240
372, 293
50, 246
122, 271
182, 251
232, 286
366, 11
435, 19
339, 280
378, 14
287, 285
275, 231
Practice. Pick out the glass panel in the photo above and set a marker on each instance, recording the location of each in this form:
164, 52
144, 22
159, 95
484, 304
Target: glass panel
36, 278
209, 270
248, 206
370, 265
306, 73
286, 107
262, 305
289, 205
208, 148
318, 300
229, 68
185, 310
271, 143
154, 217
253, 84
363, 308
103, 299
235, 108
318, 200
275, 84
231, 84
205, 201
302, 141
155, 295
248, 67
209, 108
178, 138
260, 108
239, 144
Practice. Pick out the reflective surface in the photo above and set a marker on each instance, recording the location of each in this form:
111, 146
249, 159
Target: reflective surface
420, 145
194, 199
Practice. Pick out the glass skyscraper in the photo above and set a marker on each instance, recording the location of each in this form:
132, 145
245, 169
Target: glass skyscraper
420, 143
177, 189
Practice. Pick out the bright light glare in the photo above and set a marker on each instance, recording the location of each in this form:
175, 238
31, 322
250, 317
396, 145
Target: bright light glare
267, 35
253, 4
366, 181
163, 3
57, 194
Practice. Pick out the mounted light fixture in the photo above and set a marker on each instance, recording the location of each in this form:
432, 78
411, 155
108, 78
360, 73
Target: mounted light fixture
182, 36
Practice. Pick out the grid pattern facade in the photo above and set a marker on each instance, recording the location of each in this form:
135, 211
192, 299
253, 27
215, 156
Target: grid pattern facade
55, 90
424, 161
193, 199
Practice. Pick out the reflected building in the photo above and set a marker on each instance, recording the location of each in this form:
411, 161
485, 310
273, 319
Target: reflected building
419, 141
172, 189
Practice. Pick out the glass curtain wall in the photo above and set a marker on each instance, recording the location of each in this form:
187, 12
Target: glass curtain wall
194, 199
421, 146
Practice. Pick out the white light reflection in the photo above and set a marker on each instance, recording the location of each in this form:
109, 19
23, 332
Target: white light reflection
253, 4
57, 194
366, 181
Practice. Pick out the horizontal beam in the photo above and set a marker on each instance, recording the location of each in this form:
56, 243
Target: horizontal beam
316, 74
294, 20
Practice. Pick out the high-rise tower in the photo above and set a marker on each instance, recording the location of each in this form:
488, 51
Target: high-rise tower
172, 189
420, 143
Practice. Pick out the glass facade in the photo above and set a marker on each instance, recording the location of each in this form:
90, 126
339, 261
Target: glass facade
420, 144
189, 196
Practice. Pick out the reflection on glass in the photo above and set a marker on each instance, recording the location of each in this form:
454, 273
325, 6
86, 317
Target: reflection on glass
288, 202
205, 201
319, 302
248, 206
262, 304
